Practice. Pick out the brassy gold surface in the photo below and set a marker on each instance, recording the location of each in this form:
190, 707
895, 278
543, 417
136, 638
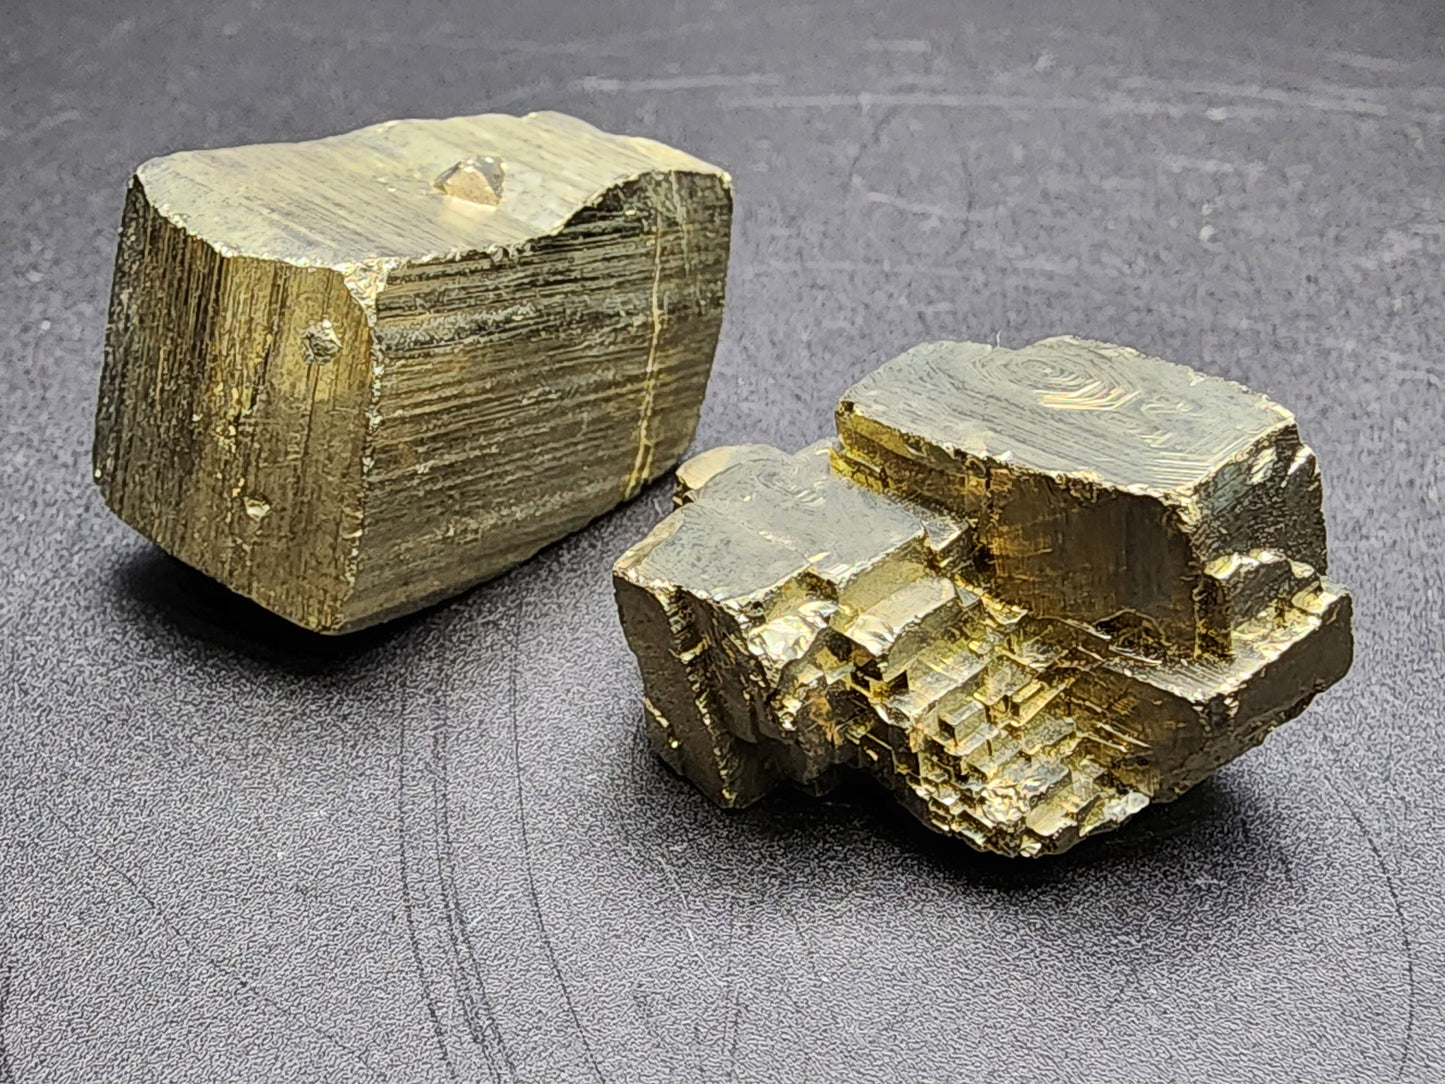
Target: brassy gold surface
1031, 590
352, 376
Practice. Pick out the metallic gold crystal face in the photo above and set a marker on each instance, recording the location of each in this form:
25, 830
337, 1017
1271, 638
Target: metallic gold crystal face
352, 376
1031, 590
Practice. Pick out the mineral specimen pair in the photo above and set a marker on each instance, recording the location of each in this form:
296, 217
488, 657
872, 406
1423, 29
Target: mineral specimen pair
1030, 590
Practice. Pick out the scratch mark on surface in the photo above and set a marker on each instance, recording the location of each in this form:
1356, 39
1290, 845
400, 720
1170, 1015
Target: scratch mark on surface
622, 44
610, 45
866, 100
7, 1073
1178, 163
596, 84
868, 144
733, 994
1353, 100
410, 911
531, 875
1366, 62
55, 120
916, 46
1267, 102
455, 955
809, 955
476, 1006
683, 910
1408, 1041
1042, 264
196, 950
849, 266
734, 1027
913, 208
117, 33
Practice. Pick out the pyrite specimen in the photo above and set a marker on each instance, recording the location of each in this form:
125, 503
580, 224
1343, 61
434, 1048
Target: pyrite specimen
352, 376
1031, 590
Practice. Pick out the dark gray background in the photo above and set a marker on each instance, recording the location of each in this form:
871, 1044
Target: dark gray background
441, 850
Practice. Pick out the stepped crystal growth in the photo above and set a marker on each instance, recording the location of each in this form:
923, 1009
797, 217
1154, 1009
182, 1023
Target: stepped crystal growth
1031, 590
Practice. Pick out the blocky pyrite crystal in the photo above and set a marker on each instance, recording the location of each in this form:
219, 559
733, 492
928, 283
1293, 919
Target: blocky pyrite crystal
352, 376
1031, 590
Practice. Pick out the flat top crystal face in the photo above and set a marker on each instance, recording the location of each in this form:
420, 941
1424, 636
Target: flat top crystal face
404, 189
1068, 406
770, 516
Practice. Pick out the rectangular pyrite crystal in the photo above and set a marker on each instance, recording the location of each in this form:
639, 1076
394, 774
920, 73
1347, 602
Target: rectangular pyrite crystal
349, 377
1031, 590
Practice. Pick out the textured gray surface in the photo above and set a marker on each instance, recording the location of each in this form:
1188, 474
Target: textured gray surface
442, 851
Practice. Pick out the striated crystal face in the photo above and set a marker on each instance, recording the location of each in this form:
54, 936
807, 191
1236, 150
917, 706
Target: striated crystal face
1032, 591
352, 376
